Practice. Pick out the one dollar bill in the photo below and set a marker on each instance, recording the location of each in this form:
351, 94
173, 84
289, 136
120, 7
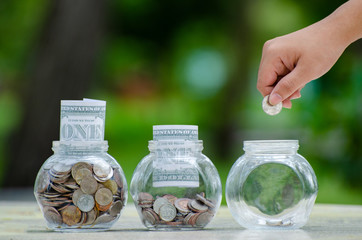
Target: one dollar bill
82, 120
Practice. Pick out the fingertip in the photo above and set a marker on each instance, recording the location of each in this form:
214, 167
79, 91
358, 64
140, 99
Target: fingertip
274, 99
287, 104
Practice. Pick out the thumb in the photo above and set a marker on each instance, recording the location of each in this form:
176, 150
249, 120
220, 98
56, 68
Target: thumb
289, 84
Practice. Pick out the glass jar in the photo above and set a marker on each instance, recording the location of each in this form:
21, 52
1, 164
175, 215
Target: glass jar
80, 187
271, 186
176, 186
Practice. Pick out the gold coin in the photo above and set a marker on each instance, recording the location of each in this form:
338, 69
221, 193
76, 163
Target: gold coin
79, 166
71, 215
170, 198
103, 208
111, 185
82, 173
89, 185
104, 196
181, 205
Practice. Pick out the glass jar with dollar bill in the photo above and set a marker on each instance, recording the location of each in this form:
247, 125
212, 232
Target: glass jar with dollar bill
271, 186
81, 187
176, 186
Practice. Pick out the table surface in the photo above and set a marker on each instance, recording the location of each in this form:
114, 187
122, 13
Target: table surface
23, 220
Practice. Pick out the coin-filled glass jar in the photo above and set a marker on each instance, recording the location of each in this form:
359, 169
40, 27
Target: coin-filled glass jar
271, 186
176, 186
80, 187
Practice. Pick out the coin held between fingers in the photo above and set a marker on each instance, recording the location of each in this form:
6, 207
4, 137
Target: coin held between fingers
271, 109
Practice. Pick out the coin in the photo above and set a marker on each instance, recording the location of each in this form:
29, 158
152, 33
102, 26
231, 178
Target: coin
85, 202
43, 182
117, 177
150, 216
103, 196
71, 215
170, 198
145, 200
89, 185
111, 185
81, 174
203, 219
61, 168
77, 193
197, 206
103, 208
102, 170
143, 196
52, 216
181, 205
204, 201
271, 109
71, 184
62, 208
105, 218
116, 208
91, 217
159, 203
167, 212
78, 166
60, 188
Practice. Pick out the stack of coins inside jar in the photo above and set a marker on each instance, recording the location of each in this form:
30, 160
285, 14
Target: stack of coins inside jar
168, 210
81, 195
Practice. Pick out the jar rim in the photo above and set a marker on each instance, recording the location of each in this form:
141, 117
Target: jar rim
80, 145
271, 144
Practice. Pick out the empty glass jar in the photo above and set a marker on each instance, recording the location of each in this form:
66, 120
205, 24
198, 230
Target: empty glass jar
176, 186
81, 187
271, 186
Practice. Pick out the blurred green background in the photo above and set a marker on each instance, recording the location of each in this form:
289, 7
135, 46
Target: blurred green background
171, 62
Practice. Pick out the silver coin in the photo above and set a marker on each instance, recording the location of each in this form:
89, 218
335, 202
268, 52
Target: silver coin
198, 206
159, 203
205, 201
102, 170
85, 202
270, 109
52, 216
116, 208
61, 168
149, 216
167, 212
43, 182
105, 218
203, 219
77, 193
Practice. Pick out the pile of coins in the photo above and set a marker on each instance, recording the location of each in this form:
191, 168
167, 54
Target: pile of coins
173, 211
80, 195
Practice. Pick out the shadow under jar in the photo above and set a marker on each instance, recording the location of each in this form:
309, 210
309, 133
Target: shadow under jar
176, 187
271, 186
80, 187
